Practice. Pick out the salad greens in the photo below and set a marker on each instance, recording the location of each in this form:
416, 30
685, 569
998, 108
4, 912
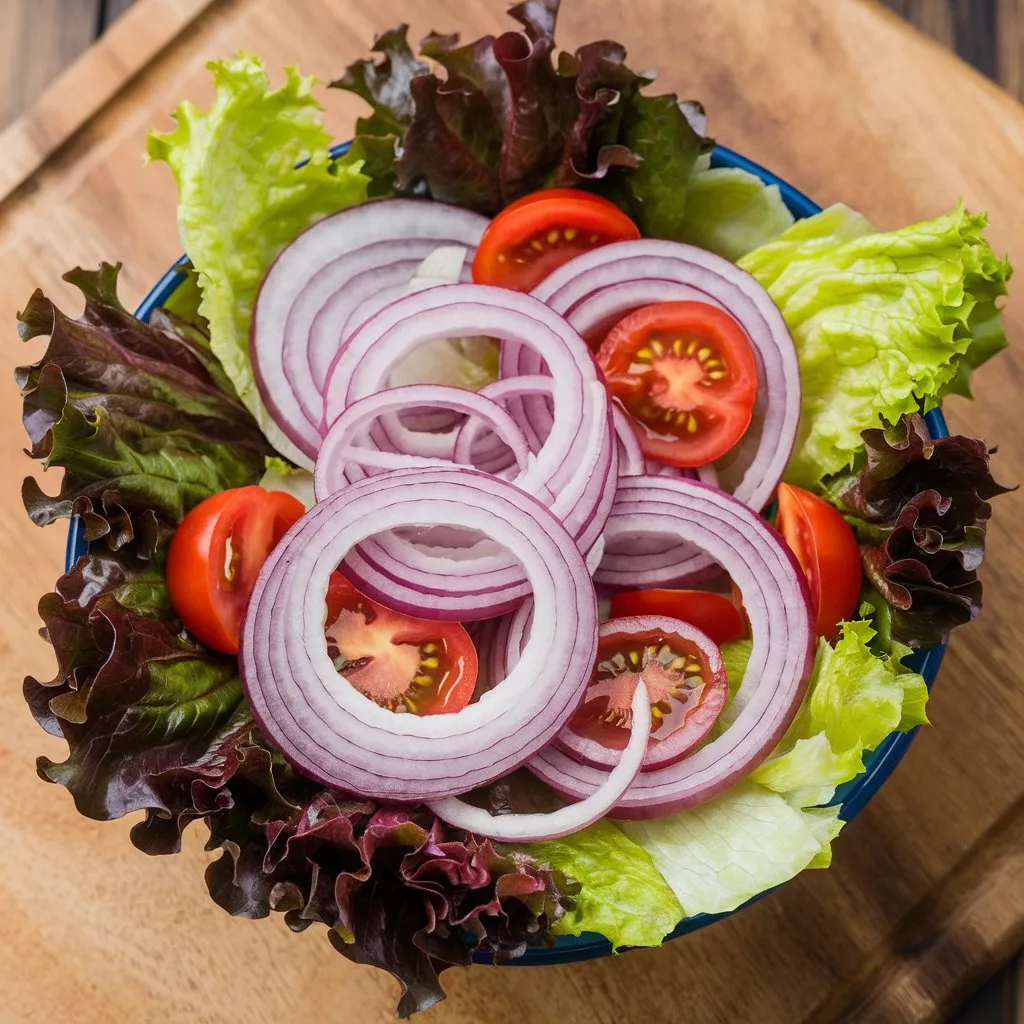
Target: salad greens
733, 847
731, 211
855, 699
147, 420
622, 894
884, 322
243, 199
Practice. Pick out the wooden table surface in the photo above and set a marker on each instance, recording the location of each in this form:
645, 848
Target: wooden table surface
925, 897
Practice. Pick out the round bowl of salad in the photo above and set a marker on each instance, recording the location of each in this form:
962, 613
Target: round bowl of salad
524, 532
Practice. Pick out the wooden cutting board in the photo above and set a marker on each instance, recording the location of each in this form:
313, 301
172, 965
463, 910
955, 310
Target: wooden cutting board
925, 897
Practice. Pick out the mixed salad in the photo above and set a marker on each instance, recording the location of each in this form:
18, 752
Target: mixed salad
512, 526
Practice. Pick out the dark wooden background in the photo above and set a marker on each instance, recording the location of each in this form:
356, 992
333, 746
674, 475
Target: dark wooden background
38, 38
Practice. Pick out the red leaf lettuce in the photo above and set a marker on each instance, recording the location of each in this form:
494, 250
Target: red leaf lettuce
920, 507
510, 116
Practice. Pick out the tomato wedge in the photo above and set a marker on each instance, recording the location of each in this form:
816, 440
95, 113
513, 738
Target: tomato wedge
541, 231
398, 661
827, 551
710, 613
686, 374
216, 554
686, 696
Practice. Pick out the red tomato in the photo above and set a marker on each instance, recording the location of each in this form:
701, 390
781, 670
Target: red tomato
710, 613
687, 375
685, 693
216, 554
827, 551
541, 231
398, 661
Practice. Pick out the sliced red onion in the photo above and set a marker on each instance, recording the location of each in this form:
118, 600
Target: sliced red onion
363, 252
782, 656
675, 746
605, 284
573, 465
530, 828
334, 734
600, 311
631, 456
468, 447
348, 452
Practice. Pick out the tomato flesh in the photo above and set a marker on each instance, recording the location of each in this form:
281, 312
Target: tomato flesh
712, 614
827, 551
538, 233
216, 554
679, 682
686, 374
400, 662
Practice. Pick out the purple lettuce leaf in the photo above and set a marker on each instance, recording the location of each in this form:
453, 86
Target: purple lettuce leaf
509, 115
920, 507
140, 409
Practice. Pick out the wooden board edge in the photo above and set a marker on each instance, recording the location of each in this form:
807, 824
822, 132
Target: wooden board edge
960, 933
88, 85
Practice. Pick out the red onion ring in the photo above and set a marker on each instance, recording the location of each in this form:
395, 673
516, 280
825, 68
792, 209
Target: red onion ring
334, 734
660, 752
530, 828
343, 460
631, 456
600, 311
578, 453
360, 252
776, 600
615, 279
467, 449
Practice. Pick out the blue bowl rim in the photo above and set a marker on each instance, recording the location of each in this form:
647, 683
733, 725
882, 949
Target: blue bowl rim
853, 795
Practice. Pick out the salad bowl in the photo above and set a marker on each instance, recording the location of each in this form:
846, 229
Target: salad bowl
853, 796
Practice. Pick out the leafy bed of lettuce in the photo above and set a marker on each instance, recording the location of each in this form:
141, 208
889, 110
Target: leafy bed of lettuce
147, 420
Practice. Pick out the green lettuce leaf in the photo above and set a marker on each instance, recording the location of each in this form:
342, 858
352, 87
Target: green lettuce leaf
283, 476
855, 700
882, 322
657, 131
732, 212
623, 897
720, 854
243, 199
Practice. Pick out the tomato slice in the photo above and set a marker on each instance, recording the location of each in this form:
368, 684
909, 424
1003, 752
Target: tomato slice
686, 696
398, 661
710, 613
686, 374
827, 551
216, 554
541, 231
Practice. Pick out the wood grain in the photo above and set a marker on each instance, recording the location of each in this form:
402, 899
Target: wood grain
78, 93
933, 951
38, 39
845, 102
